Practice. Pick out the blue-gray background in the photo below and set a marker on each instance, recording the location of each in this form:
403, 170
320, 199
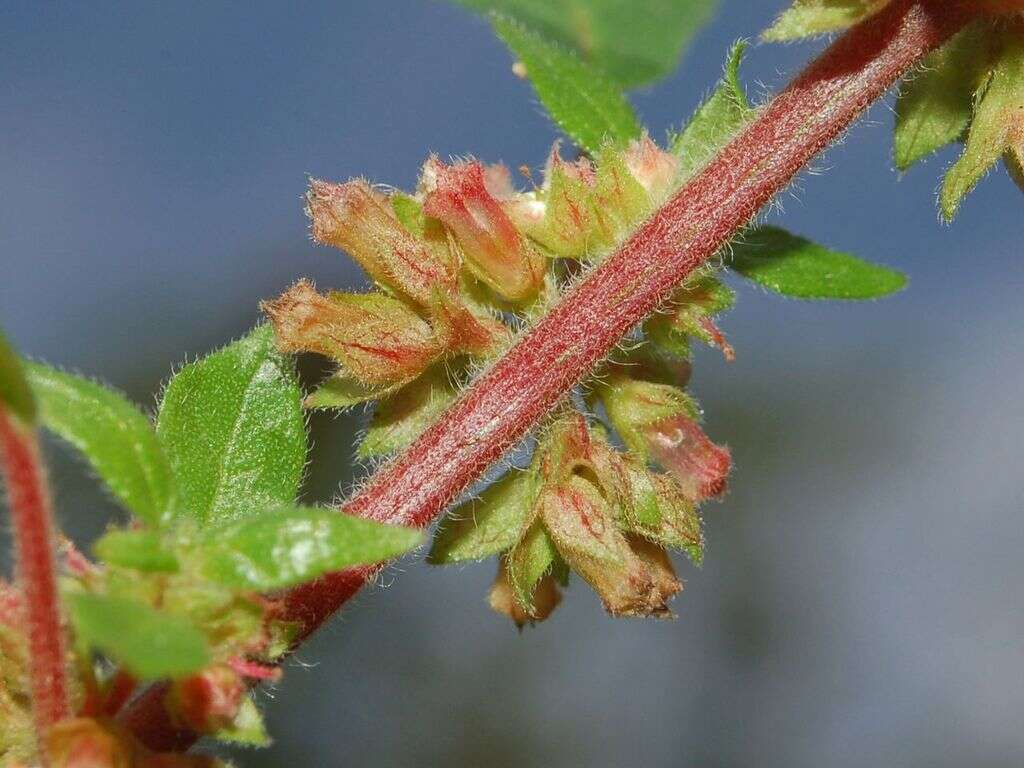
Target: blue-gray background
860, 604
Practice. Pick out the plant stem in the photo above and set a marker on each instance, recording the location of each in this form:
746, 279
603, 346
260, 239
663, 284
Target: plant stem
498, 410
29, 502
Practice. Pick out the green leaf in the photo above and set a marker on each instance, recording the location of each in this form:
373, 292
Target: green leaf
586, 106
633, 44
139, 550
807, 18
934, 105
233, 428
794, 266
716, 121
292, 545
151, 644
997, 126
489, 525
115, 437
15, 393
402, 417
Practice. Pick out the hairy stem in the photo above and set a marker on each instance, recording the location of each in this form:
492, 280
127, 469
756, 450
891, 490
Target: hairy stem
498, 410
29, 502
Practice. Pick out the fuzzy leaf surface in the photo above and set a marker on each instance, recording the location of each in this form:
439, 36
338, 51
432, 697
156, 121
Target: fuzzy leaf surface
151, 644
114, 436
934, 105
630, 43
795, 266
584, 104
807, 18
490, 525
716, 121
288, 546
233, 428
998, 125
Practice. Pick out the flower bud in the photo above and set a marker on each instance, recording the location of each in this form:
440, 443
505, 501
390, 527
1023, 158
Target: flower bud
545, 598
209, 701
460, 329
582, 526
633, 405
457, 196
359, 220
563, 220
653, 167
377, 339
698, 465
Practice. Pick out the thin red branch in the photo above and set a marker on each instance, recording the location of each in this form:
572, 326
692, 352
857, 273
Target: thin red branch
508, 400
29, 502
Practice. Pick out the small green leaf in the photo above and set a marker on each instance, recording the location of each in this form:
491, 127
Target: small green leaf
139, 550
527, 563
15, 393
151, 644
716, 121
807, 18
794, 266
233, 428
633, 44
115, 437
402, 417
583, 104
292, 545
489, 525
934, 105
997, 125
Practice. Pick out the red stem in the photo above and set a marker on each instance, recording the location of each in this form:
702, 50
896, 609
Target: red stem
29, 503
507, 401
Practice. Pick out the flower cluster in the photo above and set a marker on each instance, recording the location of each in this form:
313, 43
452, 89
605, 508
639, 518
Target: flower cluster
460, 266
971, 89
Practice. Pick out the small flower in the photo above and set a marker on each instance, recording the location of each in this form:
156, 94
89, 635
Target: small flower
458, 196
377, 339
697, 464
543, 600
361, 221
655, 169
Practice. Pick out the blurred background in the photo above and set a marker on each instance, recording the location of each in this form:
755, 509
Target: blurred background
860, 602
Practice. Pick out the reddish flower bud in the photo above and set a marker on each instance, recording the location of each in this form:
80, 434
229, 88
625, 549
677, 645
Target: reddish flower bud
377, 339
582, 526
699, 466
361, 221
458, 196
653, 167
209, 701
